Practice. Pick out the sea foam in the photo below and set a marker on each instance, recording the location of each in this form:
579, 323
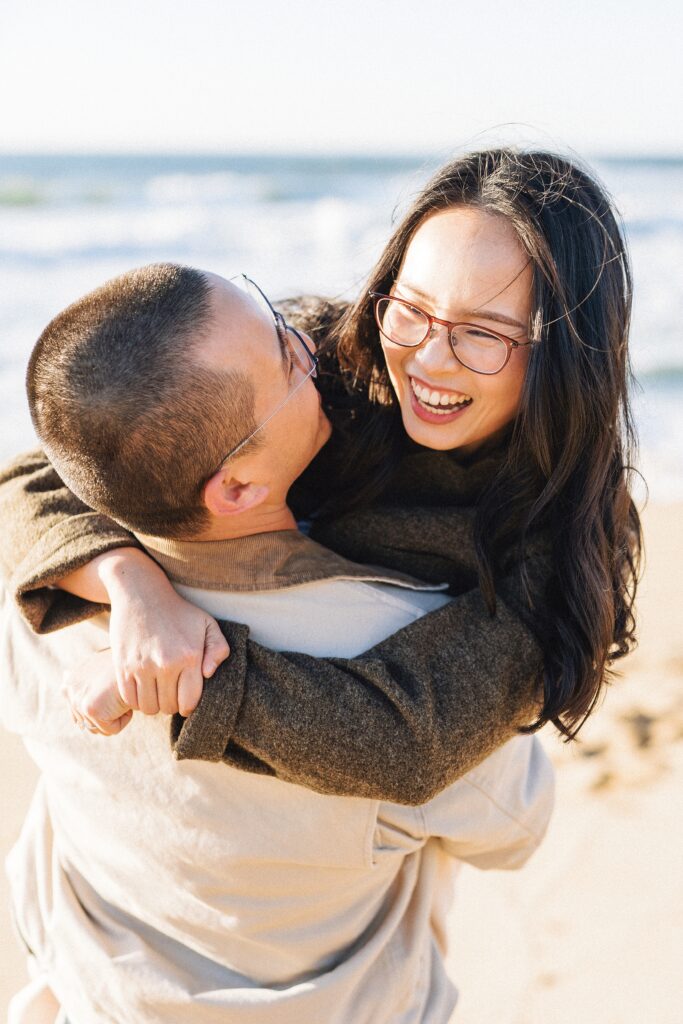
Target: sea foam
295, 224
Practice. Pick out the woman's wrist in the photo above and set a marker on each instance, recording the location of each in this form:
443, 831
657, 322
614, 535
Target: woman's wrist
128, 573
120, 573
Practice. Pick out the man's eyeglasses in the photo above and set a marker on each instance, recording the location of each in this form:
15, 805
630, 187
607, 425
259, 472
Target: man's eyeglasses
302, 355
476, 347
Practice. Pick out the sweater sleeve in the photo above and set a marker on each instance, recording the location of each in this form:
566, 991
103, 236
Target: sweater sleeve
47, 532
398, 723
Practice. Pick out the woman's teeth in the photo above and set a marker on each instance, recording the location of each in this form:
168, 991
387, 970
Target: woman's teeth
440, 402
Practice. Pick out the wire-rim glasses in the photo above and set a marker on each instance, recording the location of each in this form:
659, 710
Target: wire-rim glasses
474, 346
302, 354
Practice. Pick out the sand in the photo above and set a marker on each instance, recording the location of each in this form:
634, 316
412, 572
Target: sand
591, 930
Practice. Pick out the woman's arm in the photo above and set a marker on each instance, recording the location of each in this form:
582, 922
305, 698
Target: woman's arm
397, 723
65, 563
47, 533
163, 646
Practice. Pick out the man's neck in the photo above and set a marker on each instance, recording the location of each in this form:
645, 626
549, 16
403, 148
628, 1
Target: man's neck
263, 519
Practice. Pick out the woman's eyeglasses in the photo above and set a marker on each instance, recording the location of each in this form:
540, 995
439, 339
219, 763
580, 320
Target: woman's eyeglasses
476, 347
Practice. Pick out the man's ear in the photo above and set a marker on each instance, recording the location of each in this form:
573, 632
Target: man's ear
225, 495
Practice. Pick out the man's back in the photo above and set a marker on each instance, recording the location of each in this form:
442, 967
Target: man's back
193, 885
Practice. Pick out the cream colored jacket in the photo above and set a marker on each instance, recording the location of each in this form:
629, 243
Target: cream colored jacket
151, 890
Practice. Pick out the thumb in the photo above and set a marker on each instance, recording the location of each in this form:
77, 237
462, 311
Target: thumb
216, 648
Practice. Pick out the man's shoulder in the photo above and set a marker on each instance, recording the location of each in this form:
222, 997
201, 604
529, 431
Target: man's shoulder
274, 560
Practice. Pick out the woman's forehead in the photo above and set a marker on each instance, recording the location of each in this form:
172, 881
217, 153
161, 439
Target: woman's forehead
466, 256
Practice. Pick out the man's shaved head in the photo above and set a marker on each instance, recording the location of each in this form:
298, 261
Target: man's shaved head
133, 422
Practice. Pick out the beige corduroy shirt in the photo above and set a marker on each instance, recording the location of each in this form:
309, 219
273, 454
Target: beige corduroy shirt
157, 890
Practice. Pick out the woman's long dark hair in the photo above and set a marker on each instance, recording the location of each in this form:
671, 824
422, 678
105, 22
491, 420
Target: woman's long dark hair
567, 465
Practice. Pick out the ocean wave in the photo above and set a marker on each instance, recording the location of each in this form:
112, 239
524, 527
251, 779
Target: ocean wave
329, 228
25, 192
664, 376
144, 180
216, 187
18, 192
295, 224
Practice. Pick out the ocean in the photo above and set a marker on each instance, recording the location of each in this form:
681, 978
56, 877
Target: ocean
294, 224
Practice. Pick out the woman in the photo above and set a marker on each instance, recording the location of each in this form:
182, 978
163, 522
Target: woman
479, 393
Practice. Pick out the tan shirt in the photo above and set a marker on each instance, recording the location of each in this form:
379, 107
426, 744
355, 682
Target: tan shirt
155, 890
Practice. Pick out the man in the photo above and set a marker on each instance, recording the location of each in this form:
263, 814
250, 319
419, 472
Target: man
148, 889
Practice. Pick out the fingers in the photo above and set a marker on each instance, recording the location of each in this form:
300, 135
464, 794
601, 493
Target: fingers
94, 701
216, 648
155, 687
190, 686
99, 727
171, 678
148, 696
162, 651
100, 722
139, 692
116, 726
128, 689
77, 717
181, 682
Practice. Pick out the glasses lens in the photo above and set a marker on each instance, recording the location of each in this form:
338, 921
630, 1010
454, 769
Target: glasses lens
252, 290
477, 349
400, 322
255, 293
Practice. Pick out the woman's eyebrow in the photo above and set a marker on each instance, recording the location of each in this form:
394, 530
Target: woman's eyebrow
501, 318
486, 314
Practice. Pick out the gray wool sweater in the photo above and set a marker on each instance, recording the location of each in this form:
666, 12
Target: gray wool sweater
398, 723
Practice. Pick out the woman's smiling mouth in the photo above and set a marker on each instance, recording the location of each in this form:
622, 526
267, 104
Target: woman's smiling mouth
435, 405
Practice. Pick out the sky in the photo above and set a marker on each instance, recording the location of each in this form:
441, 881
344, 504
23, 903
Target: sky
600, 76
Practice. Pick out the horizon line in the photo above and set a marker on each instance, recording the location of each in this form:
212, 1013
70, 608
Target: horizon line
662, 155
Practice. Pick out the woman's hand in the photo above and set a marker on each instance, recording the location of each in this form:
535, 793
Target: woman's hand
93, 696
163, 647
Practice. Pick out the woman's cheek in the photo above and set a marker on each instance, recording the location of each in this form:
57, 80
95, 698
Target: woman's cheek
392, 358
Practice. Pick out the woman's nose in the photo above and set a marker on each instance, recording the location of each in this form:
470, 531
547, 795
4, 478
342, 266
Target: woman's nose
435, 354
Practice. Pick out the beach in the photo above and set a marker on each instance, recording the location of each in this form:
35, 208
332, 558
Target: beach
591, 930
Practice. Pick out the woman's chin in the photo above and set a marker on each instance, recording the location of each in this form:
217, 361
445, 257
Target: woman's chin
461, 432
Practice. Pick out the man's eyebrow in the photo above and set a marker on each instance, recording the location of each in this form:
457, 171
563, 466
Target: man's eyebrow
486, 314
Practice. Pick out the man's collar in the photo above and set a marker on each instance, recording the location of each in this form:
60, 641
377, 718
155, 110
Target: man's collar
262, 561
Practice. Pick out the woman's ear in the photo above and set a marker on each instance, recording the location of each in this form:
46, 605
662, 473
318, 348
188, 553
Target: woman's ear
225, 495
